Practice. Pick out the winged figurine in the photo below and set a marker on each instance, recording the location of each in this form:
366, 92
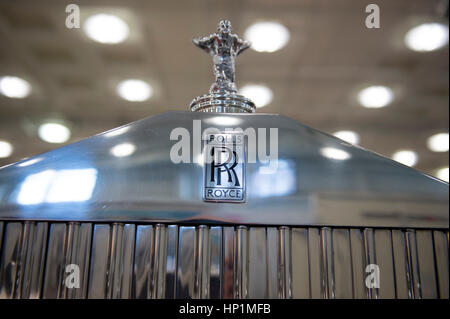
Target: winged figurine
223, 46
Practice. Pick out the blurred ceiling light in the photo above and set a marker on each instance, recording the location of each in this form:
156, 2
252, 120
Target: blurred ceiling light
54, 133
375, 96
106, 28
267, 36
348, 136
427, 37
442, 173
122, 150
406, 157
14, 87
261, 95
6, 149
134, 90
335, 153
438, 142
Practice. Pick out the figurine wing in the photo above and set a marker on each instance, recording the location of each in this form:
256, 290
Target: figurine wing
241, 45
205, 43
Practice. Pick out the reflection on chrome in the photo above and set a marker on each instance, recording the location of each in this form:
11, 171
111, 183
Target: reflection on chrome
72, 185
224, 120
116, 132
335, 153
122, 150
148, 186
30, 162
199, 159
34, 188
69, 185
273, 169
281, 181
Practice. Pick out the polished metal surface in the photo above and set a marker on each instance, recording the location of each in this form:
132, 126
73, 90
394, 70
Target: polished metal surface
223, 46
177, 261
84, 181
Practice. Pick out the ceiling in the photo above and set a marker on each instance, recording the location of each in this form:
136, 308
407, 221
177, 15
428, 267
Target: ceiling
331, 55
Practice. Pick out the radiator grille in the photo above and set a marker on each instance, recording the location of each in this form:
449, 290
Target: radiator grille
172, 261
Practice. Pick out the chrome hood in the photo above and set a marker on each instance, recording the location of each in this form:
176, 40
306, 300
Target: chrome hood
84, 181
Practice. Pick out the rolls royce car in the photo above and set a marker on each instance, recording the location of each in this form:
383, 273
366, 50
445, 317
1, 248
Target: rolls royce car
221, 202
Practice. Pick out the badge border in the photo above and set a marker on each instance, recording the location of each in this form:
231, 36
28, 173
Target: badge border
244, 175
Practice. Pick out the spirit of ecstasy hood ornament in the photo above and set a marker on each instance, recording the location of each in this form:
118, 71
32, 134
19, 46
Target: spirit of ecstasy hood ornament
223, 46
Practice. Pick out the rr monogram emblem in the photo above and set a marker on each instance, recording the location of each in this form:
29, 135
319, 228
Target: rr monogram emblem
224, 168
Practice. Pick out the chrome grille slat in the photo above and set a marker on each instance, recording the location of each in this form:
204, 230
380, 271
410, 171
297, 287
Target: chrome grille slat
1, 233
284, 263
55, 262
403, 283
385, 262
358, 262
300, 263
202, 267
413, 263
100, 262
33, 256
159, 268
316, 283
257, 263
272, 263
123, 260
425, 252
241, 263
185, 267
228, 276
80, 255
215, 267
441, 254
143, 261
327, 264
370, 257
9, 262
342, 261
171, 261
